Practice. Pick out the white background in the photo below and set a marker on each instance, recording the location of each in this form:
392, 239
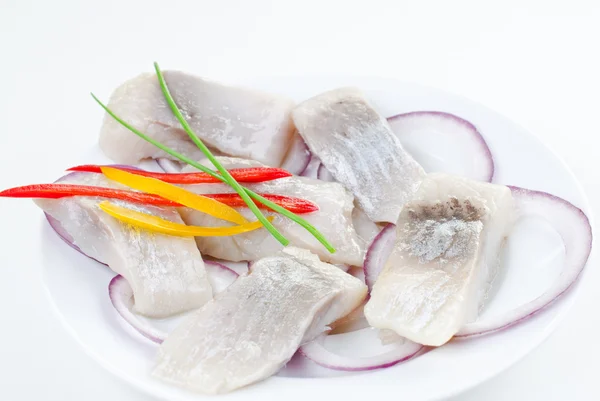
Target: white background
537, 62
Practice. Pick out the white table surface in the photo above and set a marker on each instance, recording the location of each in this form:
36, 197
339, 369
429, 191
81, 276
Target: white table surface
537, 62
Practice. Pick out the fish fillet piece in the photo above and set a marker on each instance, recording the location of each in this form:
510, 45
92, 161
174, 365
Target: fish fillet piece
251, 330
444, 260
333, 219
166, 273
358, 147
234, 121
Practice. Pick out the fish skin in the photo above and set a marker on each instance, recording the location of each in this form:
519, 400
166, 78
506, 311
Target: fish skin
234, 121
166, 273
333, 219
250, 331
358, 147
444, 261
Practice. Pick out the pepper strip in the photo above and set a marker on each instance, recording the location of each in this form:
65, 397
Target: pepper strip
251, 174
176, 194
57, 191
156, 224
295, 205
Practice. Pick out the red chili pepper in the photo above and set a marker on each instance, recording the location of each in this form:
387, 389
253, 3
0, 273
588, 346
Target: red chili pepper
295, 205
56, 191
252, 174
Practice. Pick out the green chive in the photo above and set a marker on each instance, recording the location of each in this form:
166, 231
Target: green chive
228, 178
292, 216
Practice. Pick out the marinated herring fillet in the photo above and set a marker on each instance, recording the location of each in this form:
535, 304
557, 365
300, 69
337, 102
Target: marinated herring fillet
359, 149
252, 329
445, 257
233, 121
333, 219
166, 273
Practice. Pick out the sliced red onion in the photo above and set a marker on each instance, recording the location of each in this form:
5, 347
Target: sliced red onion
324, 175
378, 253
237, 267
443, 142
219, 275
394, 353
65, 236
574, 228
121, 296
169, 166
312, 169
297, 157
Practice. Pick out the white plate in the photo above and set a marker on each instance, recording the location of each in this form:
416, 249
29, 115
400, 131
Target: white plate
77, 286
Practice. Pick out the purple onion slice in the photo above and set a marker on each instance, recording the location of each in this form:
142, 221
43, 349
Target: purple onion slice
443, 142
312, 169
378, 253
65, 236
298, 156
121, 296
324, 175
391, 354
219, 275
574, 228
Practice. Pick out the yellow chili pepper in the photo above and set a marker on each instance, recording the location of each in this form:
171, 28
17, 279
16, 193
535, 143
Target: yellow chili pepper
176, 194
156, 224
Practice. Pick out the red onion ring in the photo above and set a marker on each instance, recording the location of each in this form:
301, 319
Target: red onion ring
298, 156
219, 275
378, 253
121, 296
454, 134
238, 268
574, 228
312, 169
324, 175
318, 353
66, 237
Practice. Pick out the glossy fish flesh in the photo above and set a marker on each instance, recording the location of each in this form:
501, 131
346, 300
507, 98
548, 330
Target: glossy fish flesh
251, 330
358, 147
444, 260
234, 121
333, 219
166, 273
